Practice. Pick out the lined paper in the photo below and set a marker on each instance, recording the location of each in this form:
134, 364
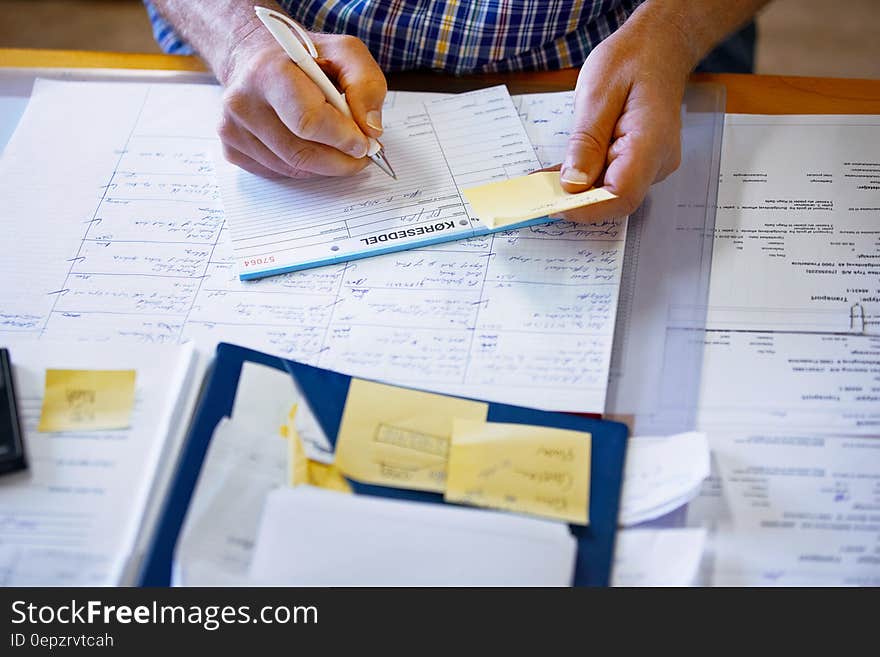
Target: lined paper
139, 252
446, 145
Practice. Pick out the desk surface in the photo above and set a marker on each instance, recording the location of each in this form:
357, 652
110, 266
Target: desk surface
750, 94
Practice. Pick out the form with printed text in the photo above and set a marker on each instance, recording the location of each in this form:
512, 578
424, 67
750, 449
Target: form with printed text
440, 147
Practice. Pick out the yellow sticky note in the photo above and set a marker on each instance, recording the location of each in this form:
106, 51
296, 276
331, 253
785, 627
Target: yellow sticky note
516, 467
506, 202
398, 437
87, 400
303, 470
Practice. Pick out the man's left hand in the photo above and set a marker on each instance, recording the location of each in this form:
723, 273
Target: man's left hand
626, 133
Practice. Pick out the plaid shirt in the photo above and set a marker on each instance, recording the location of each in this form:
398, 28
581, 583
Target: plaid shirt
455, 36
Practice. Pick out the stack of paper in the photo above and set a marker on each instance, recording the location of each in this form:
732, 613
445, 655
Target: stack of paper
246, 460
313, 537
84, 510
256, 453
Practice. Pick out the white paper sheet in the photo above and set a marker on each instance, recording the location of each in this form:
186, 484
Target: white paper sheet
77, 516
661, 474
657, 557
547, 118
139, 253
313, 537
263, 400
216, 541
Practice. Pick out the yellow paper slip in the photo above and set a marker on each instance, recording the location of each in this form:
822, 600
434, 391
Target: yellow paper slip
322, 475
516, 467
398, 437
87, 400
303, 470
519, 199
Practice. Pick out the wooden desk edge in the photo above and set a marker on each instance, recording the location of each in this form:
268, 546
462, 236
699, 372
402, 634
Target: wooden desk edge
748, 94
26, 58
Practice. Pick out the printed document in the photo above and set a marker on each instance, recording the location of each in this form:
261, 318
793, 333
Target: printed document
790, 391
797, 229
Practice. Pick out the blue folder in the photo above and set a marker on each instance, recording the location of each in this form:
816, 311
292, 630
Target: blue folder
326, 393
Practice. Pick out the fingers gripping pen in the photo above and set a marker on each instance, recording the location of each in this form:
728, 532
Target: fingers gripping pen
301, 49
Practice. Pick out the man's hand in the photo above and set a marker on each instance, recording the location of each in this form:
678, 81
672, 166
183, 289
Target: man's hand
626, 133
276, 122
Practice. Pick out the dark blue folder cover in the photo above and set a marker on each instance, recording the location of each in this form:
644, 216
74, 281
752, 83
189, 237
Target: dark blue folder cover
326, 392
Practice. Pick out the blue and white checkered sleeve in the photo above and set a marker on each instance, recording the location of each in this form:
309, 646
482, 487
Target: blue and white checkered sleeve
169, 40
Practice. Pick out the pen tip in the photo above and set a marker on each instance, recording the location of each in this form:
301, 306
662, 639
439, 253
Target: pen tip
382, 162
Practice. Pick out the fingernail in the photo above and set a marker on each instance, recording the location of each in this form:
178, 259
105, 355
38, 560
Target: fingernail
575, 176
374, 120
359, 149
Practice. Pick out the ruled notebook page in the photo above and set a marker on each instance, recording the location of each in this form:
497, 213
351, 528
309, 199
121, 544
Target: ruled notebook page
436, 150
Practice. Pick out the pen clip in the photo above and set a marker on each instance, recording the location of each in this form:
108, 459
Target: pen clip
298, 30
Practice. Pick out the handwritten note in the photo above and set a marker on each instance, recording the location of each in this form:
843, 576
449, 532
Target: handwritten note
517, 467
399, 437
87, 400
512, 201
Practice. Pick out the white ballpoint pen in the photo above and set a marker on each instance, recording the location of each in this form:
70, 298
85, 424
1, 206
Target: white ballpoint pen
299, 47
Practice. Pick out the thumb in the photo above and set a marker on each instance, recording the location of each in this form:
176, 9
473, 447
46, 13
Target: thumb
359, 77
597, 107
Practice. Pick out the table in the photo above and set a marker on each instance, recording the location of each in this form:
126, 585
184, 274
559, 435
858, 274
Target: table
745, 94
748, 94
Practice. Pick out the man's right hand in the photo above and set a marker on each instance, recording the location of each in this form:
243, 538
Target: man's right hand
277, 123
